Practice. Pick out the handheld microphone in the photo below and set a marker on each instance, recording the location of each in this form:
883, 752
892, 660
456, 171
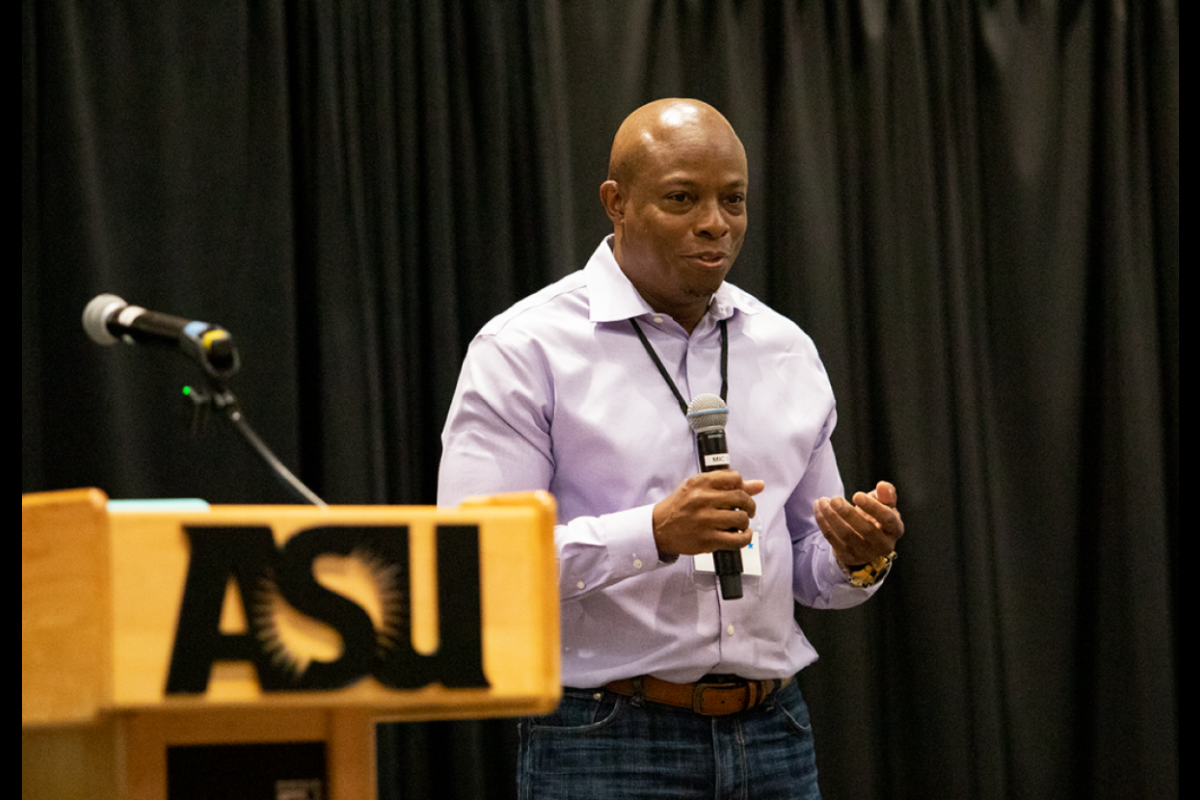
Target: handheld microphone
708, 414
108, 318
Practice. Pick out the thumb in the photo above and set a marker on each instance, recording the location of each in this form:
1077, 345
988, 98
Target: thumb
886, 493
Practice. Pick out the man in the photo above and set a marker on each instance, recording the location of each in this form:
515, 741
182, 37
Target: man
670, 689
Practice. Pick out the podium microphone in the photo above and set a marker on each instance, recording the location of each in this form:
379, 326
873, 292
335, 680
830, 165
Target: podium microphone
708, 414
108, 318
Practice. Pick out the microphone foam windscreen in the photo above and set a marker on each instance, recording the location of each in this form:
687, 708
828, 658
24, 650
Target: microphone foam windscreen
97, 314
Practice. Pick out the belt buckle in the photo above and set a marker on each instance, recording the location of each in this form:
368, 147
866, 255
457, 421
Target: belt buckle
698, 690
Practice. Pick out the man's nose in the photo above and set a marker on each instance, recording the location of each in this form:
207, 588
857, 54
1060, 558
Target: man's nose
710, 220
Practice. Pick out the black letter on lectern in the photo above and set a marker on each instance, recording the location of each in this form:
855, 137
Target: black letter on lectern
458, 661
246, 554
300, 588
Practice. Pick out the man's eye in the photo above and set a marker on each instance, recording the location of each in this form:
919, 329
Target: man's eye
678, 197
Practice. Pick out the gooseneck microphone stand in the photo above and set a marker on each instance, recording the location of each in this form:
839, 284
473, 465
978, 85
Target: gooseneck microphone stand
219, 358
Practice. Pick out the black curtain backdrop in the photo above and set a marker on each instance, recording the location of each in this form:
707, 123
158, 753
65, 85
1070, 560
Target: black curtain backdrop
973, 208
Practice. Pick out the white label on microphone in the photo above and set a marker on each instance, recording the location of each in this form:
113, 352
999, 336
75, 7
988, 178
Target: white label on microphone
717, 460
751, 558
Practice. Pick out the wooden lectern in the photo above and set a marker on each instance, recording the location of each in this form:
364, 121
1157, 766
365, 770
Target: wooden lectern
145, 631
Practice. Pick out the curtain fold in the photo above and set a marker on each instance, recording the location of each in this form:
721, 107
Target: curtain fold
972, 207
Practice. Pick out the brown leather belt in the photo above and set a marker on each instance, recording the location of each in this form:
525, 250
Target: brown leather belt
711, 696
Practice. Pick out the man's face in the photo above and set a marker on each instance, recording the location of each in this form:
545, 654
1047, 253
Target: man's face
683, 217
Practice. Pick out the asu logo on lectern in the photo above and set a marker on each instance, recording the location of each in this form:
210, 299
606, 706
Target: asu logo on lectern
265, 574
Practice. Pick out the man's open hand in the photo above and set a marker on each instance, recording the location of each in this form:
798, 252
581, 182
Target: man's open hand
864, 530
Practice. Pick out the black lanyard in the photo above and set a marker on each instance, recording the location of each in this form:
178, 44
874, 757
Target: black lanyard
683, 406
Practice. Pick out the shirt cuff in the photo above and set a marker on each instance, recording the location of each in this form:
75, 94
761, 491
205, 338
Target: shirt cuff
832, 588
630, 538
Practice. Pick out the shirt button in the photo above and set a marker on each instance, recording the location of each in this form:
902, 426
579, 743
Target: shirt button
658, 320
580, 585
730, 629
637, 563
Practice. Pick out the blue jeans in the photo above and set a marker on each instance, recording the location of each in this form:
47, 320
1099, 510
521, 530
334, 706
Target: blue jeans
601, 745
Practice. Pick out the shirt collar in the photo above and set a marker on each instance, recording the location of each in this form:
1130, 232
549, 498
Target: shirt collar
612, 297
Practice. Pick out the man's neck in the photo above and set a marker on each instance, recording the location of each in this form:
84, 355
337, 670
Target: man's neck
692, 321
688, 316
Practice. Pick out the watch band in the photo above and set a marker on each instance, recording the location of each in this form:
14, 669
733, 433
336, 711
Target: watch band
869, 574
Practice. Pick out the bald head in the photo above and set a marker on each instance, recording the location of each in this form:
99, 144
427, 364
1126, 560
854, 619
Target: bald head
661, 124
676, 195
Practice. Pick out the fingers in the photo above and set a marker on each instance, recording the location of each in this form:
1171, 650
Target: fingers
725, 490
863, 531
709, 511
880, 512
727, 540
852, 538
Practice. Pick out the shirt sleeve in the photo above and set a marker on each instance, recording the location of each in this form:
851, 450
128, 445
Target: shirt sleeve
497, 433
817, 580
497, 439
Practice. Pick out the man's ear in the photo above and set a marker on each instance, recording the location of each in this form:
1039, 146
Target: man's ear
613, 200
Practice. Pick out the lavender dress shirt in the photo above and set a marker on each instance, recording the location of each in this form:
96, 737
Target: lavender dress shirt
557, 393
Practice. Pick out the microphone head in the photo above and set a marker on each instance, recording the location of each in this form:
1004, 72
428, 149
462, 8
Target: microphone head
707, 412
97, 314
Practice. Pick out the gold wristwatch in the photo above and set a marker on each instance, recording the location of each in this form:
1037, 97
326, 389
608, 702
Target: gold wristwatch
869, 574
